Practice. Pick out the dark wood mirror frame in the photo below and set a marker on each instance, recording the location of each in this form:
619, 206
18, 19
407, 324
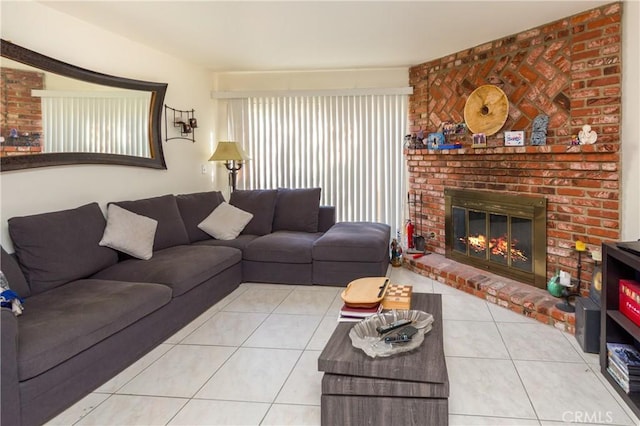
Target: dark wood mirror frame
158, 90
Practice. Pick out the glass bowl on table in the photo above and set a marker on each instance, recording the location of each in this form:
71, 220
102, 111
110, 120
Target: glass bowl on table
364, 334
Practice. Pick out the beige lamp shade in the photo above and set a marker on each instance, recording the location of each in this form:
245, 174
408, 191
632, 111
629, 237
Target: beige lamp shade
486, 110
229, 151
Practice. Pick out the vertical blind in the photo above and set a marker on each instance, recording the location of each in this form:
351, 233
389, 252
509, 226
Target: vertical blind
111, 122
350, 146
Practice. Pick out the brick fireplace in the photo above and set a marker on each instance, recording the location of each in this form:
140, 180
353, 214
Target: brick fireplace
505, 234
25, 112
570, 70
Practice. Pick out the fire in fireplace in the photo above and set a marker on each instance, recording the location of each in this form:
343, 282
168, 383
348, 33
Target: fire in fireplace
502, 233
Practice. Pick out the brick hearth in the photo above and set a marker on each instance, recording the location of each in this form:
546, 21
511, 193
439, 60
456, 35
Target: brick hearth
518, 297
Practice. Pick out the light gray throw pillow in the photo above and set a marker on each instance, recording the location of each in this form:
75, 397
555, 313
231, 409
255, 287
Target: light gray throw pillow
225, 222
129, 232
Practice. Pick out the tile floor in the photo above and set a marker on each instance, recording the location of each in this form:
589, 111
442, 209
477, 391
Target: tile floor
252, 360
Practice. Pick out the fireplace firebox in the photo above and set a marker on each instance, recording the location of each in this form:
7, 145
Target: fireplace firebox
505, 234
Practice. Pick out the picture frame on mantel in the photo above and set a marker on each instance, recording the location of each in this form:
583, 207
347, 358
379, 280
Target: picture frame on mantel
479, 140
514, 138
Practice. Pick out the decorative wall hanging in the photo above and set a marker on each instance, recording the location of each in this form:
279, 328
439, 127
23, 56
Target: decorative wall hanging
184, 120
486, 110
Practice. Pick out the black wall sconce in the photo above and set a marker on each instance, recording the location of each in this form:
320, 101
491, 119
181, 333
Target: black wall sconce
184, 120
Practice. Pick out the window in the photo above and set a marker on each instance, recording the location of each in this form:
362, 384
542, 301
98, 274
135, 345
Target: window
350, 146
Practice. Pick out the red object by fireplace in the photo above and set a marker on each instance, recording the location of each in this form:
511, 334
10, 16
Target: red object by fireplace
630, 300
410, 229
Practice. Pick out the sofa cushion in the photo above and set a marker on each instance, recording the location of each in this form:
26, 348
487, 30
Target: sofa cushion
171, 231
129, 232
282, 247
194, 208
181, 267
240, 243
297, 210
261, 203
225, 222
58, 247
354, 242
64, 321
11, 270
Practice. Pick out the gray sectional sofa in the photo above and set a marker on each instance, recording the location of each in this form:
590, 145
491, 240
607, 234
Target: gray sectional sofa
90, 311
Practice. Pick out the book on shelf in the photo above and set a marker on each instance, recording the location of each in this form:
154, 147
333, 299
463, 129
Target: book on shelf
397, 296
349, 314
630, 299
626, 357
614, 365
626, 385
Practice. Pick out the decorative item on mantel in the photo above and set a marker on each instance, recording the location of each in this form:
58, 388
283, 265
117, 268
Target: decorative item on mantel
539, 132
453, 132
586, 136
514, 138
479, 140
184, 120
415, 141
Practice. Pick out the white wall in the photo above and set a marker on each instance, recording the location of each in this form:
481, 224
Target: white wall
631, 120
44, 30
313, 80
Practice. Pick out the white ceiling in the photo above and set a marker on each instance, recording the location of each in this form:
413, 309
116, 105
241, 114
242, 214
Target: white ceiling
304, 35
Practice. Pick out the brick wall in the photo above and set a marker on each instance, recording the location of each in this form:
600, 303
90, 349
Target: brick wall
20, 110
570, 70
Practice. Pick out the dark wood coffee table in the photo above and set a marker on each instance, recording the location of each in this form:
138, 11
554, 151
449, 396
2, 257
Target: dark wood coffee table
408, 389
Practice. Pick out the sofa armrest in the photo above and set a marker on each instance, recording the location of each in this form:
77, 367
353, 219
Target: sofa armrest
9, 388
326, 218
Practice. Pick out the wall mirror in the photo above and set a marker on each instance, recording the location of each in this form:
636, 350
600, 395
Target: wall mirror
54, 113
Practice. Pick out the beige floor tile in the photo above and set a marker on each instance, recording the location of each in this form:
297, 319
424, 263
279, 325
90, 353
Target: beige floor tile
477, 339
465, 307
323, 333
284, 331
251, 374
563, 390
309, 302
537, 342
132, 371
292, 415
258, 299
226, 329
224, 413
304, 384
79, 410
487, 387
180, 372
134, 410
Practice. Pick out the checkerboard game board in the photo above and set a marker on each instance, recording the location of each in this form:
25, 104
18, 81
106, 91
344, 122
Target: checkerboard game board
398, 296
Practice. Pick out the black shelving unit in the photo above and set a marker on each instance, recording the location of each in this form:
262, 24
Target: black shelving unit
615, 327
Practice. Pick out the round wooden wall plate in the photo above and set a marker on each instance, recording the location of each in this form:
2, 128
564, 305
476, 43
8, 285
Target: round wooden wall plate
486, 110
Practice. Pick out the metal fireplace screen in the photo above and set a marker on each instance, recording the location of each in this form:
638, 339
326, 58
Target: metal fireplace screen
504, 234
